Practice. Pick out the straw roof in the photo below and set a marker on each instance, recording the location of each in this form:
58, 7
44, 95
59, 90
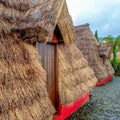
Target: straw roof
23, 86
75, 76
36, 20
108, 66
105, 51
23, 94
88, 45
68, 85
65, 25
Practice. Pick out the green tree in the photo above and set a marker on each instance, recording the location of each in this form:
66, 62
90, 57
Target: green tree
96, 35
116, 44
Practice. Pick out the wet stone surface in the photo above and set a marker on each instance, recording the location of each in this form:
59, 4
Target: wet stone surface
104, 103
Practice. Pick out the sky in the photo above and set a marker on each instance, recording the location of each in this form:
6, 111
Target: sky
102, 15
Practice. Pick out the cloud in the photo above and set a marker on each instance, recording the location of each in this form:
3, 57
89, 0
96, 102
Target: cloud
103, 16
84, 7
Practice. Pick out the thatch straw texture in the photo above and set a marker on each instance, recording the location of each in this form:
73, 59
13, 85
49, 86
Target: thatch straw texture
23, 94
34, 19
88, 45
66, 26
75, 76
108, 66
105, 51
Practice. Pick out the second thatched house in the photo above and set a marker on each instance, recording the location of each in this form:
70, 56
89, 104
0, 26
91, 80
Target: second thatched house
88, 45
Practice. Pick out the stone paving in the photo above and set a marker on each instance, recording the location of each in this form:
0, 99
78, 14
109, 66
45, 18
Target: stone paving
104, 103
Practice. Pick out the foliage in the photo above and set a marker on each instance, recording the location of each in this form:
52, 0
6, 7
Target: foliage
117, 63
109, 39
96, 35
116, 45
118, 42
114, 40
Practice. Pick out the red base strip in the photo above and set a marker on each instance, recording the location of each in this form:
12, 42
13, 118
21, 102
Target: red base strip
104, 81
67, 110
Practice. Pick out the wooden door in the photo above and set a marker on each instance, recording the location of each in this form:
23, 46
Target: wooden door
48, 54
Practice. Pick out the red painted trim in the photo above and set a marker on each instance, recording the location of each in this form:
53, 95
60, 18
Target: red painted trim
104, 81
67, 110
54, 38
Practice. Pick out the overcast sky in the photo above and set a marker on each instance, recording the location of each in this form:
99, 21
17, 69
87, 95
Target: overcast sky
102, 15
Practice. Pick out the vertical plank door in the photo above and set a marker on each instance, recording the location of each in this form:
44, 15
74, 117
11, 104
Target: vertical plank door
48, 53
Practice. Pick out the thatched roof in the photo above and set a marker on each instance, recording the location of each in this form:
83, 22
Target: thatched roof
88, 45
36, 20
65, 25
23, 94
75, 76
105, 50
108, 66
23, 86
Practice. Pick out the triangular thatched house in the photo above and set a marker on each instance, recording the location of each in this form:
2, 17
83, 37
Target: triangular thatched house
105, 52
23, 84
88, 45
23, 93
68, 75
